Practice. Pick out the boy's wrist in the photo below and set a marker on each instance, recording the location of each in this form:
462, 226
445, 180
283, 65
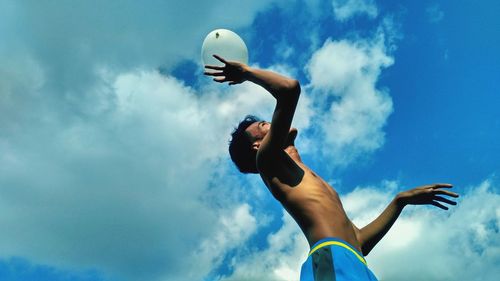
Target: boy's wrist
400, 200
247, 72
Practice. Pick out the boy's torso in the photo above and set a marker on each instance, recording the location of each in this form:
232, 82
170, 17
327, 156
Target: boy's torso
314, 204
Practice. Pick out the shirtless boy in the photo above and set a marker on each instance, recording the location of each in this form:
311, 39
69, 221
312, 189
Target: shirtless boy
337, 246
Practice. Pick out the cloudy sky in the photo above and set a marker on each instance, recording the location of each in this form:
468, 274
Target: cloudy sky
113, 146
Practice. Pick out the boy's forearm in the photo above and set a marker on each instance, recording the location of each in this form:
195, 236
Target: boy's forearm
371, 234
278, 85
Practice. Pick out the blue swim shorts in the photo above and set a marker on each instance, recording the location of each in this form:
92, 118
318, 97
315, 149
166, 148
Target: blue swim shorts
333, 259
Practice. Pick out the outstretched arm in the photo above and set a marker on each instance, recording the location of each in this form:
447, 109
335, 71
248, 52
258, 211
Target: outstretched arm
433, 194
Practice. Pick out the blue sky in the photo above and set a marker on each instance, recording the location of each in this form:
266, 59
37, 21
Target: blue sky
113, 146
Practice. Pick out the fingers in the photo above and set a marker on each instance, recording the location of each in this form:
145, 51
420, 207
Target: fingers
445, 192
440, 185
432, 194
220, 79
214, 67
439, 205
437, 185
220, 59
214, 73
442, 199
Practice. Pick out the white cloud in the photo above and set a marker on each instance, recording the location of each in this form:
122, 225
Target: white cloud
100, 192
281, 260
234, 228
346, 9
425, 243
129, 181
344, 77
20, 80
72, 41
133, 180
104, 163
365, 198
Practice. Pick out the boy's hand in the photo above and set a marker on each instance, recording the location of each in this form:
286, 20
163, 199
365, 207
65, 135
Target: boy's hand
233, 72
428, 195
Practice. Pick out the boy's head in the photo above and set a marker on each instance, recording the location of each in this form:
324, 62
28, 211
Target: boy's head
240, 146
246, 140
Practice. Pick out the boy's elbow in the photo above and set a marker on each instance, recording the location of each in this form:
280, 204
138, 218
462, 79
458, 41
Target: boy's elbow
287, 91
359, 236
293, 87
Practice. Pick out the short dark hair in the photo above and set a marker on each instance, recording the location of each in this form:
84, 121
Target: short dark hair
240, 147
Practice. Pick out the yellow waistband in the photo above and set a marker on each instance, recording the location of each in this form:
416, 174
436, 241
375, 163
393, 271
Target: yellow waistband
337, 243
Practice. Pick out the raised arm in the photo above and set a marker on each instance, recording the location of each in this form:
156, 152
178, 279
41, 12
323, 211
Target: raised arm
284, 89
433, 194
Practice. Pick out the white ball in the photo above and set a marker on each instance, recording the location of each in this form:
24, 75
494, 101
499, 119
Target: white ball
226, 44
